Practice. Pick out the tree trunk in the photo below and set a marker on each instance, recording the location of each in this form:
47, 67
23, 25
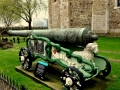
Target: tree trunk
30, 27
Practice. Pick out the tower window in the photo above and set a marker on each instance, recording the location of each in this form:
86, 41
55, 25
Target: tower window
118, 2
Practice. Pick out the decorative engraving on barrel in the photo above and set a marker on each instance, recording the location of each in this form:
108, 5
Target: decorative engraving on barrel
72, 36
51, 34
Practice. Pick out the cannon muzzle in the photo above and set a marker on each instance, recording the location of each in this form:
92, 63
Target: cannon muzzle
22, 33
69, 36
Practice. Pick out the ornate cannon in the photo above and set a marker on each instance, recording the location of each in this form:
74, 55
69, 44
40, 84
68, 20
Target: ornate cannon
74, 36
74, 49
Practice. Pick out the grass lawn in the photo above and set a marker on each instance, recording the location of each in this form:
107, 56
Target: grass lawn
8, 61
108, 47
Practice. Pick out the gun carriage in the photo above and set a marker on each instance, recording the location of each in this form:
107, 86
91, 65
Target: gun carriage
63, 46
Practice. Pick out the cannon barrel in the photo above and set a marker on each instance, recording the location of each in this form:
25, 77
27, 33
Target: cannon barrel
73, 36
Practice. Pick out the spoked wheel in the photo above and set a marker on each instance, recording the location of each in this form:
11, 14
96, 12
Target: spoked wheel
72, 79
106, 71
25, 58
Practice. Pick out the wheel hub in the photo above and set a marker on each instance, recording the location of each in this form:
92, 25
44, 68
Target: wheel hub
72, 78
25, 58
68, 81
22, 58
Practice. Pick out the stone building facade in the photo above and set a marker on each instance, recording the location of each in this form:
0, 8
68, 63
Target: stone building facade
99, 15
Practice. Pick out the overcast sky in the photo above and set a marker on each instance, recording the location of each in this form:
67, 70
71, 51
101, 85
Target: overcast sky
38, 16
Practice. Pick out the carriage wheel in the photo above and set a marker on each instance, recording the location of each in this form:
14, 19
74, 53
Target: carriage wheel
25, 58
106, 71
72, 79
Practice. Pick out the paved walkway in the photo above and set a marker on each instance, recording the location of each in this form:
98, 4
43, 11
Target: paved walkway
4, 86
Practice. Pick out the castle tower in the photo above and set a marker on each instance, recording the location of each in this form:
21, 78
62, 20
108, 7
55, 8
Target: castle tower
100, 15
70, 13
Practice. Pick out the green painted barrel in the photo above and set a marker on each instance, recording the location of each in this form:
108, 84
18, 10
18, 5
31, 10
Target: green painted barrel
68, 36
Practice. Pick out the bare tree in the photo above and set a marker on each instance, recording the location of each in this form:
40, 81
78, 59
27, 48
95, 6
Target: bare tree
6, 16
26, 9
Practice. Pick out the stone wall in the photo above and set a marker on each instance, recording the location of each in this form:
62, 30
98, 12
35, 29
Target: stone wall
70, 13
54, 15
114, 16
64, 14
100, 18
58, 13
105, 16
80, 13
99, 15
